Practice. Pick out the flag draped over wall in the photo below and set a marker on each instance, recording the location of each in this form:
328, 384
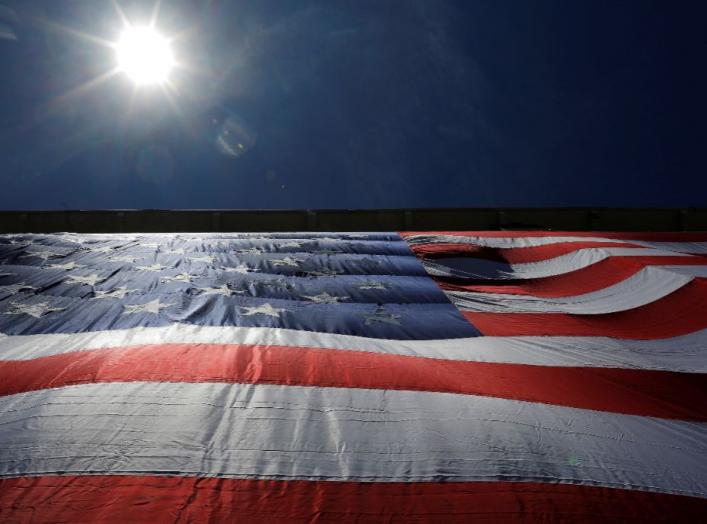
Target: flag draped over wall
442, 377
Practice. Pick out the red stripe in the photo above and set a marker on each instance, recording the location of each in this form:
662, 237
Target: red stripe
432, 251
526, 255
191, 499
603, 274
638, 392
515, 255
679, 313
667, 236
598, 276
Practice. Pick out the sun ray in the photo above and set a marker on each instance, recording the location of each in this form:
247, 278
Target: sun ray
83, 88
155, 14
171, 92
120, 13
58, 28
131, 104
187, 32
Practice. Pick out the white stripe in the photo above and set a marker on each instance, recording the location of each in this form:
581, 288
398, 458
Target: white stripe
693, 271
583, 258
522, 242
469, 268
646, 286
686, 353
505, 242
574, 261
285, 432
696, 248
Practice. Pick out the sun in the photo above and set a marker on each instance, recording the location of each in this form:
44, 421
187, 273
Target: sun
144, 55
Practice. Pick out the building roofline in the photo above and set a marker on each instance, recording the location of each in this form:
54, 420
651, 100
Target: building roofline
421, 219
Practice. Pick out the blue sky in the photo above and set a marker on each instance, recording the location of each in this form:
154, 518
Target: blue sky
357, 104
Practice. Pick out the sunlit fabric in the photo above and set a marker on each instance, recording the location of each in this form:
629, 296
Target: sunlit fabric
353, 377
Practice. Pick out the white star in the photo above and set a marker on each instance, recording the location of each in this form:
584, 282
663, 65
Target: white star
371, 284
265, 309
90, 280
240, 268
275, 283
67, 266
20, 243
124, 258
34, 310
287, 261
14, 288
324, 272
119, 292
204, 258
124, 238
325, 298
74, 239
251, 251
104, 249
153, 267
181, 277
222, 290
382, 317
153, 306
43, 254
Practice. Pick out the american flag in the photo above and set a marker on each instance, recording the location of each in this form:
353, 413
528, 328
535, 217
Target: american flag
373, 377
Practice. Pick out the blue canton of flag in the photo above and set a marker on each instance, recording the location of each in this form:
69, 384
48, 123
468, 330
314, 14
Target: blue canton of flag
367, 285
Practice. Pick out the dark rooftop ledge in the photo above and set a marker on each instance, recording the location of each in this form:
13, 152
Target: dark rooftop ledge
197, 220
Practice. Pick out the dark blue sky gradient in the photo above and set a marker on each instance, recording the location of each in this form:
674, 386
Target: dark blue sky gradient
359, 104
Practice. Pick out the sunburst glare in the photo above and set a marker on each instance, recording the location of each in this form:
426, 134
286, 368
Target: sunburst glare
144, 55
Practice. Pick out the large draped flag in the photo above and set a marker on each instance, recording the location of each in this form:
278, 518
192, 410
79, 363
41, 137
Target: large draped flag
373, 377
